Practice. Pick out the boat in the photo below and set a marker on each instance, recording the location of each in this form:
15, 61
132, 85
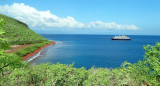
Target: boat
123, 37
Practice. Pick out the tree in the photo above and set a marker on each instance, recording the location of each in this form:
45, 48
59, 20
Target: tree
7, 60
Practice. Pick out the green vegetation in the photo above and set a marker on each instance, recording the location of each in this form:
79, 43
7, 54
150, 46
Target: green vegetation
145, 72
6, 60
18, 32
26, 50
14, 72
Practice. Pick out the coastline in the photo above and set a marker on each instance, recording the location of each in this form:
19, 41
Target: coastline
38, 50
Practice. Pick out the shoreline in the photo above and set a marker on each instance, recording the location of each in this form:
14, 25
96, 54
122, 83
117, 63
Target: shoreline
37, 51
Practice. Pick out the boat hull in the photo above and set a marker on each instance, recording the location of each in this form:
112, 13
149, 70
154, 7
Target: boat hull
120, 39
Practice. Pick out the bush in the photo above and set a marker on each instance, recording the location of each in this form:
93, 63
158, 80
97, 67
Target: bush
144, 72
14, 72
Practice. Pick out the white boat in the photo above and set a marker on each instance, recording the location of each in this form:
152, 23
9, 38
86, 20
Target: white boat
121, 38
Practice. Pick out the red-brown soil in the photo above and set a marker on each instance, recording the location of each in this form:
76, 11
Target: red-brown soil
36, 51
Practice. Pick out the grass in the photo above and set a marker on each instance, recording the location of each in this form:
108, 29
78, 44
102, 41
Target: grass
17, 32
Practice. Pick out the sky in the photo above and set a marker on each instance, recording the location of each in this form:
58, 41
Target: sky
108, 17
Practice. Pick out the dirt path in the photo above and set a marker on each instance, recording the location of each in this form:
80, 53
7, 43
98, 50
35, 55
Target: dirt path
16, 47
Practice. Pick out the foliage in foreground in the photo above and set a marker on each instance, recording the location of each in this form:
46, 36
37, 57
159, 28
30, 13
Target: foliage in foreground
145, 72
14, 72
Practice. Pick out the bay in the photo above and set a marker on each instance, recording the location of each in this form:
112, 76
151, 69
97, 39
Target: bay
94, 50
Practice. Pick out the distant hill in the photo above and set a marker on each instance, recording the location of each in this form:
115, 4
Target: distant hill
18, 32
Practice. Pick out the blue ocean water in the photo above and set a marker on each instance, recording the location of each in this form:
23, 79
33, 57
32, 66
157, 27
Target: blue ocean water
95, 50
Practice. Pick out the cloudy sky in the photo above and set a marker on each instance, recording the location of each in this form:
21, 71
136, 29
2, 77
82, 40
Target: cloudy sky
127, 17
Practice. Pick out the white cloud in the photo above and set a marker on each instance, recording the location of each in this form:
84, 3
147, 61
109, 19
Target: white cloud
45, 19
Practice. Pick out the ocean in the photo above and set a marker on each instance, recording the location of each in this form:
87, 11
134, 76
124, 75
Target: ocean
94, 50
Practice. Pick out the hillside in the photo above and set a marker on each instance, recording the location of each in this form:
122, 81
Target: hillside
18, 32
